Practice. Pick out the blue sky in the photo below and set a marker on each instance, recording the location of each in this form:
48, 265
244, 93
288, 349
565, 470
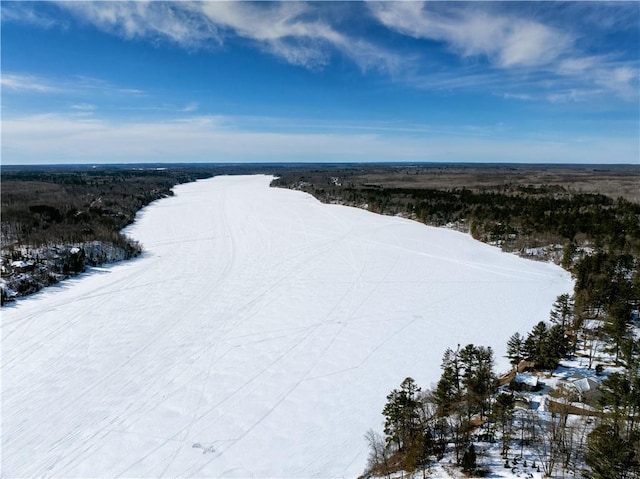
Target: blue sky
114, 82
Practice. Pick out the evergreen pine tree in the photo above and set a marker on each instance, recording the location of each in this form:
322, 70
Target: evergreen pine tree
401, 413
469, 459
535, 339
618, 323
610, 456
448, 390
613, 447
562, 311
515, 349
554, 346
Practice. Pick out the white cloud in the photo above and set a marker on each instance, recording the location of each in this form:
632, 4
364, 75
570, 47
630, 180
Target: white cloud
18, 82
578, 66
193, 106
75, 84
83, 107
572, 95
530, 44
518, 96
623, 79
295, 32
176, 22
506, 41
79, 87
57, 138
292, 31
24, 12
524, 48
202, 138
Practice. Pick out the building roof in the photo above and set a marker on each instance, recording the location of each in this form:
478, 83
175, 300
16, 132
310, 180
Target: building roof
528, 379
585, 384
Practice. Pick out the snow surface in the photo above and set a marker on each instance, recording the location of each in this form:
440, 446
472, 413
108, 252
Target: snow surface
258, 336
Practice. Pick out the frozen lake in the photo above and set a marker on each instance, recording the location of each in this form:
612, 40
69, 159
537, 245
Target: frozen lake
258, 336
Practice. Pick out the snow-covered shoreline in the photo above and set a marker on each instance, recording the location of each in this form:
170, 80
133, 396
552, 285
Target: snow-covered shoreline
258, 336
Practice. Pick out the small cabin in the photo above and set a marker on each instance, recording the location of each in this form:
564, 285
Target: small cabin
586, 389
20, 266
525, 382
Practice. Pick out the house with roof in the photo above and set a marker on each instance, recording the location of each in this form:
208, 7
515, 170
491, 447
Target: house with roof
586, 389
525, 382
20, 266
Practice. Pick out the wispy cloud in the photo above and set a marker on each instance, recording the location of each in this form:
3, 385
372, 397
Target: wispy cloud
506, 46
506, 41
83, 109
77, 85
622, 78
295, 32
191, 107
572, 95
604, 16
518, 96
30, 83
179, 22
28, 13
60, 138
523, 48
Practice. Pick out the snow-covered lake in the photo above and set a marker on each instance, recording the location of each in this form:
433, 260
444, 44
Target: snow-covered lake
257, 337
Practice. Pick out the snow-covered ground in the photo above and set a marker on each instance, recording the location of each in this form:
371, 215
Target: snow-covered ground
258, 336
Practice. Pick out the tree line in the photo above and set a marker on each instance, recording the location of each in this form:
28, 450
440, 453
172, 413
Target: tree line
513, 215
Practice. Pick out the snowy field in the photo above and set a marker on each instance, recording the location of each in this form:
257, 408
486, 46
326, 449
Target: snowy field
258, 336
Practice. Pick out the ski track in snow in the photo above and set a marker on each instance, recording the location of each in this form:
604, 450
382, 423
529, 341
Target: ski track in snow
258, 336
